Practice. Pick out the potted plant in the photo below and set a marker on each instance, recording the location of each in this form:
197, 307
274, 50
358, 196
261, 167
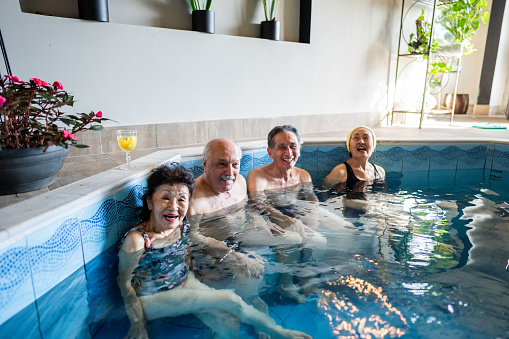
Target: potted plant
461, 18
270, 28
203, 17
35, 134
419, 42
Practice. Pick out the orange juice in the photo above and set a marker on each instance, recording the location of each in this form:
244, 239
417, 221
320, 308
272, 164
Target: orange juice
127, 143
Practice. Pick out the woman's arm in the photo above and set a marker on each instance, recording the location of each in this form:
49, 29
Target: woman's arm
129, 255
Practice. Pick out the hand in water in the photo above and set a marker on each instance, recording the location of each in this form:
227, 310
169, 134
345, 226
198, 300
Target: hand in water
249, 264
276, 229
137, 331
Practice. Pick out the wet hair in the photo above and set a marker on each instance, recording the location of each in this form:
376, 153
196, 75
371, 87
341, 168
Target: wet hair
278, 129
208, 147
172, 173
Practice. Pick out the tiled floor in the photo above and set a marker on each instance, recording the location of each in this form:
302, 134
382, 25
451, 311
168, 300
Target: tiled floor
434, 129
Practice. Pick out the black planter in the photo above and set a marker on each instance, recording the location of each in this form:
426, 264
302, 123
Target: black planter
270, 30
204, 21
94, 10
29, 169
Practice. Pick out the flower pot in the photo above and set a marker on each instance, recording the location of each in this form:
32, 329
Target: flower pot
96, 10
461, 103
270, 30
29, 169
204, 21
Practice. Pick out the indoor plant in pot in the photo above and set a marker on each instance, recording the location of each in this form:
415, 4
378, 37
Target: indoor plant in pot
419, 42
270, 28
35, 134
203, 17
461, 18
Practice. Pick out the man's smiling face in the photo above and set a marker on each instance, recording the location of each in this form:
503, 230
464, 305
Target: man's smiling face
286, 150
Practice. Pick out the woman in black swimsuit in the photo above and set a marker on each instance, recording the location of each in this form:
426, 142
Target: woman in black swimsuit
357, 172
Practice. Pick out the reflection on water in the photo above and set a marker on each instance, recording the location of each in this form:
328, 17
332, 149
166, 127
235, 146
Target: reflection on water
346, 317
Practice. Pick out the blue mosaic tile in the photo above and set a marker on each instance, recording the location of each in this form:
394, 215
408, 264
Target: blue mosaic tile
489, 157
309, 158
246, 164
103, 291
390, 158
197, 167
331, 156
319, 176
188, 164
416, 158
128, 202
55, 252
501, 158
28, 317
65, 319
98, 227
472, 156
439, 179
472, 177
290, 316
261, 159
415, 180
16, 291
497, 180
444, 157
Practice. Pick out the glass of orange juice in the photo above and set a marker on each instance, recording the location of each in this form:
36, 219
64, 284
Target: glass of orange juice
127, 140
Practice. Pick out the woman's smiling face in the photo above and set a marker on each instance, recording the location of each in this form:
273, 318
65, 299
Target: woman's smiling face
168, 206
361, 143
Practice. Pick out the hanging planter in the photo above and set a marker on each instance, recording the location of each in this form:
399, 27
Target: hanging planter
270, 30
96, 10
204, 21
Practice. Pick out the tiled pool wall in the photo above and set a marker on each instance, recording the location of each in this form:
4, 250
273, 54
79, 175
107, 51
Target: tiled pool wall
34, 270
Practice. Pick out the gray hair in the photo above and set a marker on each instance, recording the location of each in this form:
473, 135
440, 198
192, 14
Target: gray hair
278, 129
208, 146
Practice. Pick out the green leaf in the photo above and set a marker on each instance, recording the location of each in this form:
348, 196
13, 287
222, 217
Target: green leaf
81, 146
96, 127
68, 121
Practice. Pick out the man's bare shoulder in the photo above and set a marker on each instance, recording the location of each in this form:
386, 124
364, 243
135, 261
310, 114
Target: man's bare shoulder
257, 179
303, 175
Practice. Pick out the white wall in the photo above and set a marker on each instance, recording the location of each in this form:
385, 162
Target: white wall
145, 75
500, 90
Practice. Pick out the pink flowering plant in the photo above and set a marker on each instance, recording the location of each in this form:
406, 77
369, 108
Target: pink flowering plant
30, 115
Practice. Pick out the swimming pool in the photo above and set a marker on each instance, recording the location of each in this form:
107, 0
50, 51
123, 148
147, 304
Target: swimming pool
428, 259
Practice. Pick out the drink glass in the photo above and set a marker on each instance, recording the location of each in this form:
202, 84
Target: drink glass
127, 140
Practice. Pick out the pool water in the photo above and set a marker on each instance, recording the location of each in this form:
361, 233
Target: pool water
423, 261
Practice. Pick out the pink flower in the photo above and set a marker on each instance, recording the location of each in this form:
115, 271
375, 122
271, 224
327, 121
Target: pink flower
58, 85
13, 78
68, 134
99, 114
39, 82
2, 101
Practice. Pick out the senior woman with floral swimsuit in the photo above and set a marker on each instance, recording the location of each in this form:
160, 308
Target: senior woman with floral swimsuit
154, 276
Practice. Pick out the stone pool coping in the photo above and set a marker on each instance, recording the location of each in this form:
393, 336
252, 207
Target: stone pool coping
29, 216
